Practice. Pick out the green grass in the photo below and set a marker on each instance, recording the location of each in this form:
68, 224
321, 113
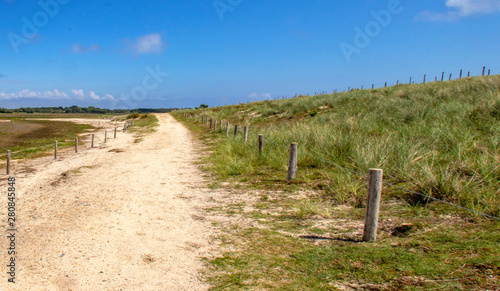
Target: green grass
440, 138
143, 125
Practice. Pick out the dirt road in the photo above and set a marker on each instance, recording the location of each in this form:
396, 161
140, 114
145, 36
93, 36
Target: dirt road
122, 216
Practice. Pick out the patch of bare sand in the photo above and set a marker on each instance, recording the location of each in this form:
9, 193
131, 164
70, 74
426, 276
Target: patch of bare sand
121, 216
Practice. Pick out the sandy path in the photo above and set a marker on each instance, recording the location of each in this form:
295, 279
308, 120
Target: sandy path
123, 216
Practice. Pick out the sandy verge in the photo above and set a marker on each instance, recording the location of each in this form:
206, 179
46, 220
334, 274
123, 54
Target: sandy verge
121, 216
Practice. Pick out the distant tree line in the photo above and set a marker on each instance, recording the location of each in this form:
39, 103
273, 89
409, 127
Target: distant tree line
77, 109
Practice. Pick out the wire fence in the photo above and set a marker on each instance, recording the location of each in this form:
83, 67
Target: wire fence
303, 152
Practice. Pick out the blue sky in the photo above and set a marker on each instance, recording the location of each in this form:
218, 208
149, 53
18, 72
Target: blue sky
151, 54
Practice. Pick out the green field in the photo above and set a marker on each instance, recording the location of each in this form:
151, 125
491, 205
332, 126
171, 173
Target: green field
441, 139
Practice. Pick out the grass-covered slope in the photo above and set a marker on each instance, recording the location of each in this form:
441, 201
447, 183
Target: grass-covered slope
441, 139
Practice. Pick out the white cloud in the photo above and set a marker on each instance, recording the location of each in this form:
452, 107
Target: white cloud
151, 43
94, 96
78, 93
261, 96
462, 8
52, 95
80, 49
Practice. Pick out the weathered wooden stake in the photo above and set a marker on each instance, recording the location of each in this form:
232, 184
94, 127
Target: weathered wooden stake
261, 143
211, 121
410, 80
425, 76
450, 77
220, 125
468, 74
373, 204
460, 74
215, 124
105, 136
489, 72
292, 163
115, 133
484, 69
55, 150
8, 162
373, 86
235, 130
92, 143
245, 133
442, 77
227, 128
76, 145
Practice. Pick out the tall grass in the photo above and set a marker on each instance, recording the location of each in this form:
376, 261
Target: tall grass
441, 139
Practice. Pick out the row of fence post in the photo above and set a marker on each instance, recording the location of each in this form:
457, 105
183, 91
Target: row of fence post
375, 180
128, 123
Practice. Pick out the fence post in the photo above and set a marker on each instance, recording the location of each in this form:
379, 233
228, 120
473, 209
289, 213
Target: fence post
245, 133
92, 143
211, 121
460, 74
373, 204
76, 145
484, 69
105, 136
235, 130
8, 162
206, 121
227, 128
115, 132
292, 163
442, 77
55, 150
220, 125
425, 76
468, 74
410, 81
215, 124
261, 143
489, 72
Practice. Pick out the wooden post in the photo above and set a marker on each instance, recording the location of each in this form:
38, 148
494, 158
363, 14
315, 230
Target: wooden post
8, 162
105, 136
397, 83
215, 124
450, 77
206, 121
245, 133
489, 72
55, 150
373, 204
235, 130
211, 122
92, 143
220, 125
460, 74
115, 132
227, 128
76, 145
410, 81
425, 76
468, 74
385, 85
373, 86
442, 77
484, 69
261, 143
292, 163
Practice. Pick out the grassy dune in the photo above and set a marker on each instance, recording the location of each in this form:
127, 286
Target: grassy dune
440, 138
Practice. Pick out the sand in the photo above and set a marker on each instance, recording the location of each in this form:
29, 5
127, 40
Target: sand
121, 216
